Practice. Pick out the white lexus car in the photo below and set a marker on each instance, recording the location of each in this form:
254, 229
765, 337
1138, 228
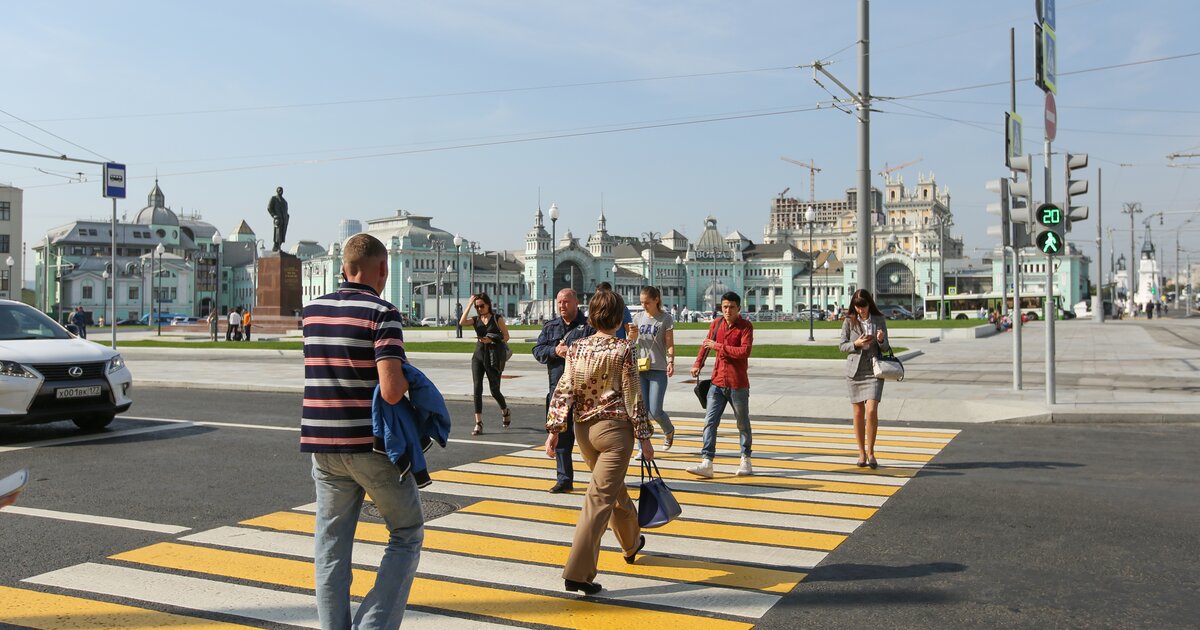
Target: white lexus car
47, 374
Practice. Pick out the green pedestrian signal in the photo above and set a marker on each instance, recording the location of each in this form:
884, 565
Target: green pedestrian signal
1051, 226
1049, 242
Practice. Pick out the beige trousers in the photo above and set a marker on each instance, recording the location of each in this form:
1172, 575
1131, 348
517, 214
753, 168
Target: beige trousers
606, 446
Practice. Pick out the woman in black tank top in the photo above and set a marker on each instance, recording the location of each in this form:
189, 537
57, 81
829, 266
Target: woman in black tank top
489, 356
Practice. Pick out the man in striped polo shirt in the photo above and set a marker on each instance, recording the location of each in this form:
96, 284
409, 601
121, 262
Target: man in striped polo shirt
352, 342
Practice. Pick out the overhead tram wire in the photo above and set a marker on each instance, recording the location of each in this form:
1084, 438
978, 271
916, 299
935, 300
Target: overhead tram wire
1028, 79
388, 99
467, 146
44, 146
50, 133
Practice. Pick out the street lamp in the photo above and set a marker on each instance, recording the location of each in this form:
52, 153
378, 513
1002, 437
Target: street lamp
679, 289
828, 293
104, 307
158, 284
8, 290
458, 241
259, 252
810, 215
553, 240
216, 241
438, 247
449, 270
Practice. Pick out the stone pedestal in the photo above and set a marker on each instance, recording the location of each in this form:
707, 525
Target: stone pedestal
280, 295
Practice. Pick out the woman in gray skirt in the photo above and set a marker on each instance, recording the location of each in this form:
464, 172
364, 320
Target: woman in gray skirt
864, 337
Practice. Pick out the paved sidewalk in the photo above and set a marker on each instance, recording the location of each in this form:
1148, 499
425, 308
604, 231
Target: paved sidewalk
1127, 371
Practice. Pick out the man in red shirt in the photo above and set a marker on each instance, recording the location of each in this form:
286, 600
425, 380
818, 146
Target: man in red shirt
731, 337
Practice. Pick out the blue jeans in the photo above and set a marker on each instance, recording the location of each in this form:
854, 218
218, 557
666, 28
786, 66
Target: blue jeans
341, 480
654, 390
564, 466
717, 399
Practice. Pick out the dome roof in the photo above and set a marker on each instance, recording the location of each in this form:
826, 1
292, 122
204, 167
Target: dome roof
156, 211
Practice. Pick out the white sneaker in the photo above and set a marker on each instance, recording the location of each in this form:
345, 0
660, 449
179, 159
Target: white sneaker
703, 469
745, 469
637, 457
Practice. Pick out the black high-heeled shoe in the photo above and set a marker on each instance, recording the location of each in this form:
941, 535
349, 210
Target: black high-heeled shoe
588, 588
507, 418
873, 463
633, 556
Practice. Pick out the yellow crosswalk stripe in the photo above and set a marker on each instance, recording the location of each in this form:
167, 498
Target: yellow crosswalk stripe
758, 480
650, 566
773, 448
945, 437
789, 464
686, 498
563, 612
46, 611
690, 529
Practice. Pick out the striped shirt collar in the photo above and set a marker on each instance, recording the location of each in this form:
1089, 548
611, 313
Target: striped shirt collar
357, 288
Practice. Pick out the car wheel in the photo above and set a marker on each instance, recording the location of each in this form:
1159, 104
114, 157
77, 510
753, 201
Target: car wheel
94, 422
1032, 316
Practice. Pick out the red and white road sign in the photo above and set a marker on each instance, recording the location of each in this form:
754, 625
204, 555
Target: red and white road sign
1051, 117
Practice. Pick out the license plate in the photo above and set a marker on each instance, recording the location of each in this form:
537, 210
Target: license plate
77, 392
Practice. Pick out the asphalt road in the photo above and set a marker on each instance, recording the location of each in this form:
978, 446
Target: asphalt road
1009, 526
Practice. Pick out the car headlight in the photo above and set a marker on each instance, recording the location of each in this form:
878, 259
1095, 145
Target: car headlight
115, 364
12, 368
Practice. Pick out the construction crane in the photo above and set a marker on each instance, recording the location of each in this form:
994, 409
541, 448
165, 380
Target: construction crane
812, 176
784, 192
888, 170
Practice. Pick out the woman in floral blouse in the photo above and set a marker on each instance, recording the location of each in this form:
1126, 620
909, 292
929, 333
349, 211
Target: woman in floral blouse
601, 383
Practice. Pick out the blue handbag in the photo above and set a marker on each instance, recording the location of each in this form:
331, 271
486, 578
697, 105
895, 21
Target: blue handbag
656, 505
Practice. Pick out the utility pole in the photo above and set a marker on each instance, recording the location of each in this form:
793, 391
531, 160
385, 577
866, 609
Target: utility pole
1131, 208
862, 102
1098, 299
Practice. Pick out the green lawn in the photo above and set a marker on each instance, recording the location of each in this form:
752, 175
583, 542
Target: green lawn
685, 352
912, 323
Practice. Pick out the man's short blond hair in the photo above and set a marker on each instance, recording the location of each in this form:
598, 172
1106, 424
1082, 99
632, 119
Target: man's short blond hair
361, 249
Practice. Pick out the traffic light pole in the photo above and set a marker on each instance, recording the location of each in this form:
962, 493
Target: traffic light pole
1016, 250
1050, 311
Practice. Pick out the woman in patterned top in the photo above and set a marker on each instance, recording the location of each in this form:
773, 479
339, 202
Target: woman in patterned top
601, 384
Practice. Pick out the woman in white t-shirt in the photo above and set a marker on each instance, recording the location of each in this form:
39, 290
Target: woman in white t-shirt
655, 347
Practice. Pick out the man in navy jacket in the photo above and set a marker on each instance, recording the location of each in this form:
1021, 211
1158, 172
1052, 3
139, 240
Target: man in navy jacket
551, 350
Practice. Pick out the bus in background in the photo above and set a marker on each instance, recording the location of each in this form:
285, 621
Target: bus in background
967, 306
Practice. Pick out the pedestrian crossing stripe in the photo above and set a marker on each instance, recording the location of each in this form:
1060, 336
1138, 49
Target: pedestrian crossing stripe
773, 448
944, 435
684, 498
688, 529
788, 464
660, 567
698, 485
47, 611
694, 512
271, 605
519, 606
722, 601
848, 445
773, 482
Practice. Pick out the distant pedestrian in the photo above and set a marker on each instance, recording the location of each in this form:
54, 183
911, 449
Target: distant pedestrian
79, 319
235, 322
1149, 310
864, 337
246, 323
212, 324
684, 314
600, 389
656, 358
983, 312
491, 345
731, 339
353, 343
556, 338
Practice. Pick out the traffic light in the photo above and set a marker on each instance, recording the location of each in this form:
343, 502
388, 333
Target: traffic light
1021, 192
1000, 208
1051, 223
1075, 187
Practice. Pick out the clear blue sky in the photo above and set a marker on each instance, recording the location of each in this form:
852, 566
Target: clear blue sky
227, 100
